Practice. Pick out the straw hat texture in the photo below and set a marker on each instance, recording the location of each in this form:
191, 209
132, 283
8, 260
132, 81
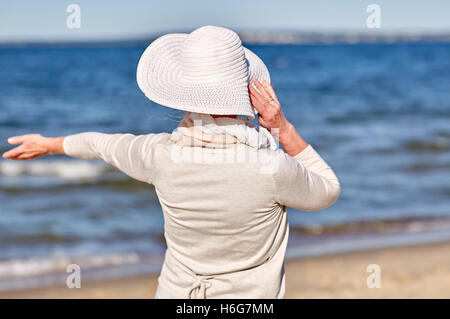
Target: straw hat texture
205, 71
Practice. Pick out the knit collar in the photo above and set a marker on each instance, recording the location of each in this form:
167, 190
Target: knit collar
203, 130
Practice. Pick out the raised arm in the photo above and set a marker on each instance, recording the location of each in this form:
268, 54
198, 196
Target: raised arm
271, 117
303, 179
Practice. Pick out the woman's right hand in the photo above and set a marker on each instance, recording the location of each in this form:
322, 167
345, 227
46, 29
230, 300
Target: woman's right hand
265, 101
271, 116
33, 145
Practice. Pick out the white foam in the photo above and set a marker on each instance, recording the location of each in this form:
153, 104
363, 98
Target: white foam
64, 169
39, 266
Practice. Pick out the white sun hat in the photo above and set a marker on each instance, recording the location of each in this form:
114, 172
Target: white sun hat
206, 71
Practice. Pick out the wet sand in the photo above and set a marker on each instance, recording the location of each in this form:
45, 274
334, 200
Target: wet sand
421, 271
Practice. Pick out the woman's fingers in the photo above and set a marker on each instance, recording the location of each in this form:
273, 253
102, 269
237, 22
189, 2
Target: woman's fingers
16, 139
261, 89
256, 93
26, 156
257, 100
269, 89
23, 138
15, 152
263, 97
21, 153
32, 146
256, 105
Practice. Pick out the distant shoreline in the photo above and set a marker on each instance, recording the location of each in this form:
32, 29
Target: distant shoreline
261, 38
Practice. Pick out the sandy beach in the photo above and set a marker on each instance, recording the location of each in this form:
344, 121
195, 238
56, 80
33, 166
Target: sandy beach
407, 272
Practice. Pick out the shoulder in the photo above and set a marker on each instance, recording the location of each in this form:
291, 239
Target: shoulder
285, 167
272, 162
158, 137
154, 139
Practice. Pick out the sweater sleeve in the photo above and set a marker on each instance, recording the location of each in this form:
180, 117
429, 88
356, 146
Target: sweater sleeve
305, 181
131, 154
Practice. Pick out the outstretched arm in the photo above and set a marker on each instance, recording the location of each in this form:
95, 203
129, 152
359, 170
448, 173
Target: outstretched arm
131, 154
33, 146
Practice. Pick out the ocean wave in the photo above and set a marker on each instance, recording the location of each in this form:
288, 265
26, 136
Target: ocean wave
42, 176
407, 225
39, 266
33, 239
117, 183
435, 145
426, 166
427, 145
63, 169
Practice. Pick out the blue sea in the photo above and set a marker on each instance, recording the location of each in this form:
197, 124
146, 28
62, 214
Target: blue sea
378, 114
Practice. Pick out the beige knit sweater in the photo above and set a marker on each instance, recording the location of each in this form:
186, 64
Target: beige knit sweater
224, 212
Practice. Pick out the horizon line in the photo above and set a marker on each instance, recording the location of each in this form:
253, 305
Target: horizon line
266, 37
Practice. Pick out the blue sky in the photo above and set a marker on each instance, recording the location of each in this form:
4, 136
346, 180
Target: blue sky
25, 20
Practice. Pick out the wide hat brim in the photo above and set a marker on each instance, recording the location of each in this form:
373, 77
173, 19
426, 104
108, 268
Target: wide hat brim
160, 78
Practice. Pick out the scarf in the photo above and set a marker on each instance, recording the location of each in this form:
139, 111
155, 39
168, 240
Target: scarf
203, 130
